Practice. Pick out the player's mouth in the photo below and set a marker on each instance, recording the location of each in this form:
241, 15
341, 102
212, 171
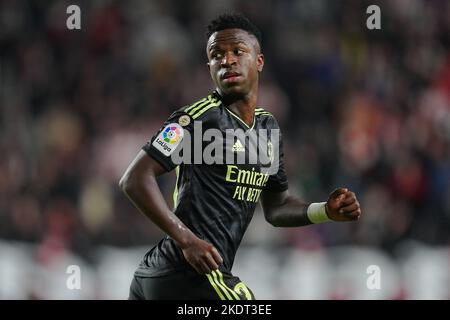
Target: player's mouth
231, 76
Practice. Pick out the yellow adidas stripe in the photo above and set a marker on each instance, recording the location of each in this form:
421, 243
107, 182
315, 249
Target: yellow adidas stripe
195, 104
220, 285
206, 108
191, 112
226, 287
215, 287
261, 111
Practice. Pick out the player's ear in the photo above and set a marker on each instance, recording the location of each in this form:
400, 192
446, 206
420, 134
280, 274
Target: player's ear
209, 66
260, 62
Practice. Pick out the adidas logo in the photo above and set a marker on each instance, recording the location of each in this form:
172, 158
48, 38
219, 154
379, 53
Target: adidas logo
238, 147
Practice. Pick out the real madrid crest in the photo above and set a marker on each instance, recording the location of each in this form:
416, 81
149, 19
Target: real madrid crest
184, 120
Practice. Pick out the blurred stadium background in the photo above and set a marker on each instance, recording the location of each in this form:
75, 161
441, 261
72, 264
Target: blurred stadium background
369, 110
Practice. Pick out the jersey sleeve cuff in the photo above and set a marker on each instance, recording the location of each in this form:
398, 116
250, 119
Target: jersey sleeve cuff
162, 160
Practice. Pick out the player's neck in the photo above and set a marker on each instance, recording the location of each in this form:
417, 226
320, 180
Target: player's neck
243, 106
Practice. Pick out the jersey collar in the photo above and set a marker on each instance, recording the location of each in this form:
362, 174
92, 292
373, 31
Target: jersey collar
234, 114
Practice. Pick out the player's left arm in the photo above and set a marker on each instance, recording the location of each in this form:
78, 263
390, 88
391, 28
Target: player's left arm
284, 210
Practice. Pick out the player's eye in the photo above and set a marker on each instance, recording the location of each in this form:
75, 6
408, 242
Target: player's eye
216, 55
238, 51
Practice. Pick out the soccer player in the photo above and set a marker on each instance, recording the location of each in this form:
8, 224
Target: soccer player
214, 203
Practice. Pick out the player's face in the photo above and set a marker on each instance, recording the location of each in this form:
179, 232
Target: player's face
234, 61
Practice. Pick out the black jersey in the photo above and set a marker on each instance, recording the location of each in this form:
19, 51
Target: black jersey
216, 201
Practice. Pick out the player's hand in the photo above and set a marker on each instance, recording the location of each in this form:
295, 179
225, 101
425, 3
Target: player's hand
202, 256
342, 205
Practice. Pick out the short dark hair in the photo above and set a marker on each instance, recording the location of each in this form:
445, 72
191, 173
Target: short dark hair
233, 21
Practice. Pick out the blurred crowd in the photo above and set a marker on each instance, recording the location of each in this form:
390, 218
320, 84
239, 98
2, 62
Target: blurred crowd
364, 109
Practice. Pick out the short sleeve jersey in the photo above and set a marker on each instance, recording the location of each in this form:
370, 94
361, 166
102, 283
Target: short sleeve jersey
215, 199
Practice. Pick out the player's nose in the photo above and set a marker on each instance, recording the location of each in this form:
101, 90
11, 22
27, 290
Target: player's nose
228, 59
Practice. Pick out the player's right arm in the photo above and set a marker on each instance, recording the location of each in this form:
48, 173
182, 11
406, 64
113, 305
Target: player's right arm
140, 185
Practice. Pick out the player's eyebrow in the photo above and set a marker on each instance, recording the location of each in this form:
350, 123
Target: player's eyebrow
214, 45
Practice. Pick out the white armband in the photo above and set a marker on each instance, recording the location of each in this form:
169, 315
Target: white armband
317, 213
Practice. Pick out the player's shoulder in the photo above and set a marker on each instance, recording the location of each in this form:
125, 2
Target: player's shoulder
202, 108
266, 117
262, 113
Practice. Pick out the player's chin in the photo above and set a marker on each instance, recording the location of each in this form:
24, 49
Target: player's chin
233, 89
